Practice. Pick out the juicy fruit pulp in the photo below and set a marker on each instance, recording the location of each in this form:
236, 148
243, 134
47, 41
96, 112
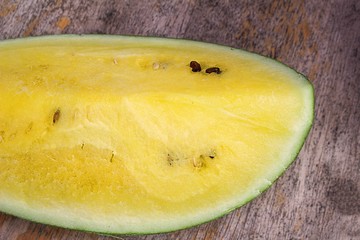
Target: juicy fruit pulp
119, 135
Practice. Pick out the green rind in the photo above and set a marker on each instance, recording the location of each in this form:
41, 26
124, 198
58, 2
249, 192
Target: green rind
299, 144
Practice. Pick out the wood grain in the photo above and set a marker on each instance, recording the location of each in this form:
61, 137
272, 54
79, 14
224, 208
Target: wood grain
319, 196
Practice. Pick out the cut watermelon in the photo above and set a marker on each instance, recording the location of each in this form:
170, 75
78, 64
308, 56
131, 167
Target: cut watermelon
123, 135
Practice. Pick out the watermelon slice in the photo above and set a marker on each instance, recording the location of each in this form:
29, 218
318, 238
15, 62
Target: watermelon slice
137, 135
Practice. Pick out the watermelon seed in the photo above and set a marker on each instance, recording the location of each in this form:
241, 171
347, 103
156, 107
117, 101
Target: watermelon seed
159, 66
195, 66
213, 70
56, 116
156, 65
170, 160
212, 155
112, 157
199, 162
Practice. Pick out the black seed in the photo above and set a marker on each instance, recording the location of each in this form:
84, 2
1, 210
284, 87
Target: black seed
195, 66
56, 116
213, 70
211, 156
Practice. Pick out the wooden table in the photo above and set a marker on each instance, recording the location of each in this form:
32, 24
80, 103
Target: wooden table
319, 196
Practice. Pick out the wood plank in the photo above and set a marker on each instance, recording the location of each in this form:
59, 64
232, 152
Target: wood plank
318, 197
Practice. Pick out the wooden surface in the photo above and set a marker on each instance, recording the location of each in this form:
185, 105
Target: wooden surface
319, 196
